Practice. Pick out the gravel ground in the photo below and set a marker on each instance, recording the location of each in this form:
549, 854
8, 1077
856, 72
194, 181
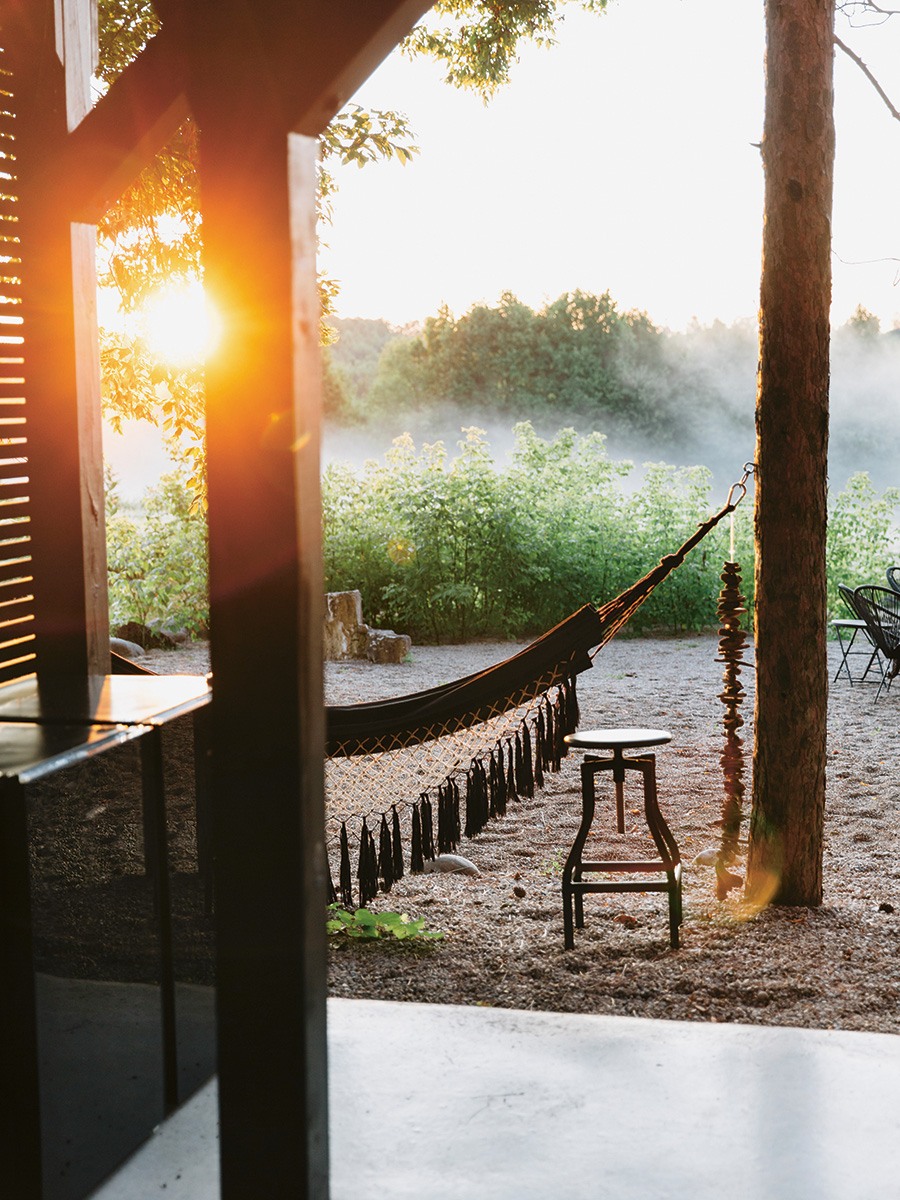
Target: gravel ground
837, 966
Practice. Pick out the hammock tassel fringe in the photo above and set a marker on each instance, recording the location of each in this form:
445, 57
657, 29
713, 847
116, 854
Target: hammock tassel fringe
509, 771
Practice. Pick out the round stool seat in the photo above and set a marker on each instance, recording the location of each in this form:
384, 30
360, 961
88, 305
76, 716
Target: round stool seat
617, 739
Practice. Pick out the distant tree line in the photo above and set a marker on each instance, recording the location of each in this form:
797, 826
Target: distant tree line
581, 361
579, 355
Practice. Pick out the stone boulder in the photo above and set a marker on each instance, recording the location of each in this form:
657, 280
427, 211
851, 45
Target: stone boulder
126, 649
385, 646
144, 636
346, 635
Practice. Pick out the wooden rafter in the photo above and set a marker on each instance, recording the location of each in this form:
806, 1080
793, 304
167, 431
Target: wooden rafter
125, 129
300, 60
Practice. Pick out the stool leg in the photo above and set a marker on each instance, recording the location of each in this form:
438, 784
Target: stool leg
619, 780
675, 913
568, 931
572, 870
661, 833
665, 844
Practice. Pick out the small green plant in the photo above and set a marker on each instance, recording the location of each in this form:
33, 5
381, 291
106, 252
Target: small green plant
363, 923
552, 866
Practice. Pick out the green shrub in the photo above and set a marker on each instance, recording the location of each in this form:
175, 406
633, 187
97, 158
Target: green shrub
157, 558
451, 548
448, 549
862, 537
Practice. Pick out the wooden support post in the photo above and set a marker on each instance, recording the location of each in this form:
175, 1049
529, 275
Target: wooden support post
254, 71
266, 625
20, 1110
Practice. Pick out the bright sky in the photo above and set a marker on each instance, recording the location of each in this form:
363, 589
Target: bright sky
621, 159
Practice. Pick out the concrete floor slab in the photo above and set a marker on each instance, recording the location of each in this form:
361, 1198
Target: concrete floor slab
437, 1102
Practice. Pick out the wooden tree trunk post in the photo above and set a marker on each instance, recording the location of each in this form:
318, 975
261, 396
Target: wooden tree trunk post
786, 828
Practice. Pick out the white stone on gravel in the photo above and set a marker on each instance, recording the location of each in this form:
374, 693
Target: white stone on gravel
707, 858
451, 864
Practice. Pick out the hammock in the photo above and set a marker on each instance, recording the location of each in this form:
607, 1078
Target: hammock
456, 755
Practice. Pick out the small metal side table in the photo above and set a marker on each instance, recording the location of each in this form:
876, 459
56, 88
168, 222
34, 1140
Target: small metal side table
574, 885
847, 631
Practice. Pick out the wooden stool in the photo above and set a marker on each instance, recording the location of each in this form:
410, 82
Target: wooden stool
574, 886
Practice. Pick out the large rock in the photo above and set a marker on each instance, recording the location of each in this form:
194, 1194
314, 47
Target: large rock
144, 636
126, 649
385, 646
347, 636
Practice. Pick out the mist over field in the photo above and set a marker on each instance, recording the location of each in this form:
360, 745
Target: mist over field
703, 380
865, 406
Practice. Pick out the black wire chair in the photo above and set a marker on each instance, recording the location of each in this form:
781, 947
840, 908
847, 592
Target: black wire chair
880, 609
893, 578
848, 630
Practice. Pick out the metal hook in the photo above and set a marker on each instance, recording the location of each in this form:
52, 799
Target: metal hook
749, 469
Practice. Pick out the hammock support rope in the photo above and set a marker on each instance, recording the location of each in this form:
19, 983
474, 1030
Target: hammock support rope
527, 704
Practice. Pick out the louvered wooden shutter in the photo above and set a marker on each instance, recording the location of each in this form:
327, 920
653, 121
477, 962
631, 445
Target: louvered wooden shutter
17, 639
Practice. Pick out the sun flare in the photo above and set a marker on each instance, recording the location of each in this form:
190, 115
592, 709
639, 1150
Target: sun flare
180, 326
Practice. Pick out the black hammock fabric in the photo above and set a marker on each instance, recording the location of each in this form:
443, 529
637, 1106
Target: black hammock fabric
408, 720
557, 656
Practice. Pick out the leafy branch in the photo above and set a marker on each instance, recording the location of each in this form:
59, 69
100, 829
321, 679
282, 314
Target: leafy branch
478, 43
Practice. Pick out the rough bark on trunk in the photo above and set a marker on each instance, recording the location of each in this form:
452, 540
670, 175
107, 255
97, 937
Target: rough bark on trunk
786, 828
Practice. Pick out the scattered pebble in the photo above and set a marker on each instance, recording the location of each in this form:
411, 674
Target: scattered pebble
627, 920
